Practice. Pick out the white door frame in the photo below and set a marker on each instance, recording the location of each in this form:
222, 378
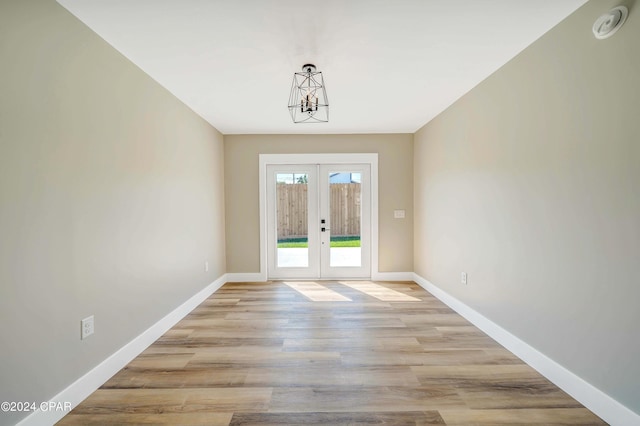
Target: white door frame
280, 159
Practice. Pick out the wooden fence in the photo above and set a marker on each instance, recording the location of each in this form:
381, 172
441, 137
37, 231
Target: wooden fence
292, 210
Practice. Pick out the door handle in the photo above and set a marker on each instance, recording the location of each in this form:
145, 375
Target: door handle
324, 229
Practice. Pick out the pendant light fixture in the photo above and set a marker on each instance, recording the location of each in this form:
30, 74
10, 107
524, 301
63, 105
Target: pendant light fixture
308, 101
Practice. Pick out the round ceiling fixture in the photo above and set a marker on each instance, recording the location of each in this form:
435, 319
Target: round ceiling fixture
607, 25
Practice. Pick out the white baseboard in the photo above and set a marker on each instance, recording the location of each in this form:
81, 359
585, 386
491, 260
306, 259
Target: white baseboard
610, 410
87, 384
392, 276
246, 277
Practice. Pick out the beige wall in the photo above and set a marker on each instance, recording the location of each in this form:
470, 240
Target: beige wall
531, 184
395, 191
111, 195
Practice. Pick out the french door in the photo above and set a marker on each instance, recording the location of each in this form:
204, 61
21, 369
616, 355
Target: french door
318, 221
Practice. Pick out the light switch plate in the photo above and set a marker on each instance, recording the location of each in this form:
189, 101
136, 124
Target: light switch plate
398, 214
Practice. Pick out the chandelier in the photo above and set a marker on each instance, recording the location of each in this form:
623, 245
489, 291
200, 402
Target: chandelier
308, 101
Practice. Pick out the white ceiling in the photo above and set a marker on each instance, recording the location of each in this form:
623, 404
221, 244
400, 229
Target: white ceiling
389, 66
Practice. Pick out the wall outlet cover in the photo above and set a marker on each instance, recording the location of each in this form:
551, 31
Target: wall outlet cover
86, 327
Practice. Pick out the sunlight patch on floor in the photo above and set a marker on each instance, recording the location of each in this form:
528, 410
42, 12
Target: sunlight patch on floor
316, 292
379, 292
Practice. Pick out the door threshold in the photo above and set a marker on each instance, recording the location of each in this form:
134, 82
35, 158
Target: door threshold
321, 279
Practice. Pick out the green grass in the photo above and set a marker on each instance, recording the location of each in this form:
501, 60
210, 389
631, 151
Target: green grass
345, 243
335, 242
293, 244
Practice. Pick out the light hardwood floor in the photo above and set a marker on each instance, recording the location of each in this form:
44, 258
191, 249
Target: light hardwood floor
327, 353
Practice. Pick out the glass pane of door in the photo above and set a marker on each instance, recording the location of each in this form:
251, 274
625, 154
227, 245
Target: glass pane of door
345, 212
292, 226
345, 200
292, 237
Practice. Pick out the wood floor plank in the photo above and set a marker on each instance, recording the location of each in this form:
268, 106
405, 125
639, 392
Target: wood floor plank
364, 399
266, 354
162, 361
424, 357
357, 323
331, 377
225, 324
183, 344
546, 417
407, 418
380, 292
186, 419
134, 378
317, 292
451, 319
344, 344
149, 401
264, 357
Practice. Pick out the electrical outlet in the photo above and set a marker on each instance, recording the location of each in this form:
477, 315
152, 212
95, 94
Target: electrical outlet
206, 266
463, 278
86, 327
